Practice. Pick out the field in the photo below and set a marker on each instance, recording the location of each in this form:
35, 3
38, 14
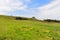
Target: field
11, 29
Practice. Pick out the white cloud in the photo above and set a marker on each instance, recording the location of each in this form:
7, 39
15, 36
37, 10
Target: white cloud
51, 10
9, 5
2, 13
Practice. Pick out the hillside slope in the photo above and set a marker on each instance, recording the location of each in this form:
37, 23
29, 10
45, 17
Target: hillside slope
11, 29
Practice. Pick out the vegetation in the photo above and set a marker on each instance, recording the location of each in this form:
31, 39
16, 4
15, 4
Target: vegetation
50, 20
11, 29
24, 18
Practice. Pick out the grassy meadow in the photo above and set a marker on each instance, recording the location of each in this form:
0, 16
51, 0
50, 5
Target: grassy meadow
11, 29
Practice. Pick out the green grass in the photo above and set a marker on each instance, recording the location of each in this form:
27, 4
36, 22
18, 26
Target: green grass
11, 29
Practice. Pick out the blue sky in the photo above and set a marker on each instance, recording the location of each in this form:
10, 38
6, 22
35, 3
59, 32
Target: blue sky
41, 9
37, 3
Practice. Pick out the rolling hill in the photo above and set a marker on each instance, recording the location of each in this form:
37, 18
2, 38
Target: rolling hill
12, 29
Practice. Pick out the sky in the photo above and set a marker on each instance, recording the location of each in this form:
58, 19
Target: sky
41, 9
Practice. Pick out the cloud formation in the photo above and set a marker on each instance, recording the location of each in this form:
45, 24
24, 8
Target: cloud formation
50, 11
9, 5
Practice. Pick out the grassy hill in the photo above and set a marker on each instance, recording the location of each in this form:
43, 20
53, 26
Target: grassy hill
11, 29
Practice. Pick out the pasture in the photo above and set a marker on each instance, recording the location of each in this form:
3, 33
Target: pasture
11, 29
